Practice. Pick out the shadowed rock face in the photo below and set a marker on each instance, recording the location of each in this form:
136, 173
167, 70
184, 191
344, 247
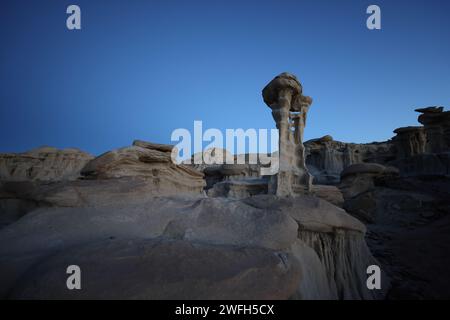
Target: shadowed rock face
407, 221
410, 141
164, 269
437, 129
424, 150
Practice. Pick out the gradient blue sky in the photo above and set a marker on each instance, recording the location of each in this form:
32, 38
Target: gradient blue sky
140, 69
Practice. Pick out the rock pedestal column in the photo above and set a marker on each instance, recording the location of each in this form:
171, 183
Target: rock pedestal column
410, 141
289, 107
437, 129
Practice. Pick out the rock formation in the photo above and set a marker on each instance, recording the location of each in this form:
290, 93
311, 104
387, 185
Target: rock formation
358, 181
21, 172
415, 150
132, 215
284, 95
407, 209
408, 223
424, 150
437, 129
141, 171
327, 158
43, 164
189, 248
410, 141
148, 161
399, 187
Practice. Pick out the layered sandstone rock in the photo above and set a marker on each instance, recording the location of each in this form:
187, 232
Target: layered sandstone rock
138, 172
146, 161
21, 172
43, 164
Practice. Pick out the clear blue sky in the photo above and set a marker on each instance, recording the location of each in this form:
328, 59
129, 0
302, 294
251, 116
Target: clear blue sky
140, 69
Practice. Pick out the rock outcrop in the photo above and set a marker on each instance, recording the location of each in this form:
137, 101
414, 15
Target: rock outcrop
43, 164
436, 124
22, 172
171, 269
263, 247
141, 171
408, 223
358, 183
327, 158
161, 230
414, 150
409, 141
331, 194
425, 150
148, 162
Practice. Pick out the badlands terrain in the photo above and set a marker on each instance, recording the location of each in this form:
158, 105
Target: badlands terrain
140, 226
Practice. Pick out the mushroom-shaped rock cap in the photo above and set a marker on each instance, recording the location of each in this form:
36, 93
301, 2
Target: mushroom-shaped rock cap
430, 110
408, 129
326, 138
300, 103
281, 82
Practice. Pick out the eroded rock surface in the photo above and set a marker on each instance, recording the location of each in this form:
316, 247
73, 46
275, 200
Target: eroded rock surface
287, 243
43, 164
284, 95
407, 221
327, 158
138, 172
22, 172
164, 269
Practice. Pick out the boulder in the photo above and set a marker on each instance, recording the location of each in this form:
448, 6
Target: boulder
310, 213
329, 193
361, 177
145, 163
